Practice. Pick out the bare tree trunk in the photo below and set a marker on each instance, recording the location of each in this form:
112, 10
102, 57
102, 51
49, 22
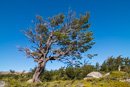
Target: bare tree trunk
39, 71
119, 68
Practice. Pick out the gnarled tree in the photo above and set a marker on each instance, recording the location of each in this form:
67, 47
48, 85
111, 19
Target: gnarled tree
58, 38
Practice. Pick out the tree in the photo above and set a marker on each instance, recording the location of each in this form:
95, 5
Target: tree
118, 63
104, 66
70, 72
111, 64
126, 64
58, 39
97, 66
87, 69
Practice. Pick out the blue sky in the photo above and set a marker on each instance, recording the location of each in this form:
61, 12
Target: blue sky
109, 19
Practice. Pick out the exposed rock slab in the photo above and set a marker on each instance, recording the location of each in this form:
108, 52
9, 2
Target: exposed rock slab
125, 80
2, 83
93, 75
30, 81
107, 74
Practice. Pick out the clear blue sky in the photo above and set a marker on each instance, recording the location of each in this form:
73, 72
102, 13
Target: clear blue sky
110, 21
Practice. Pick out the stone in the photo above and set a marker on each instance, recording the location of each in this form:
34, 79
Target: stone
93, 75
125, 80
30, 81
2, 83
107, 74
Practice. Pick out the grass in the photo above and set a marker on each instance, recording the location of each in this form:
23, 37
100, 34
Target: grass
110, 81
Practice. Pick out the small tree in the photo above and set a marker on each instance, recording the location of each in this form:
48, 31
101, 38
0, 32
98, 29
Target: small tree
97, 66
12, 71
104, 67
58, 39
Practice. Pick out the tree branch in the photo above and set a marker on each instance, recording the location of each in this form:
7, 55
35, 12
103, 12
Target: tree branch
58, 56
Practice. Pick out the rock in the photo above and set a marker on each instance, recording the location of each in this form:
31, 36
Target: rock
2, 83
107, 74
93, 75
30, 81
85, 78
125, 80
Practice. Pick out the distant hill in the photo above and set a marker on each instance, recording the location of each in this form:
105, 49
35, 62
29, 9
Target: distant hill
8, 72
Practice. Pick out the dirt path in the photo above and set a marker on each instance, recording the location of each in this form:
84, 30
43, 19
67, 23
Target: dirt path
2, 83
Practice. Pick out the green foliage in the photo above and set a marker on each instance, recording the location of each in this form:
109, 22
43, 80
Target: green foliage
15, 80
97, 66
68, 77
70, 72
67, 73
116, 75
58, 38
56, 20
110, 81
12, 71
70, 36
87, 69
47, 76
112, 64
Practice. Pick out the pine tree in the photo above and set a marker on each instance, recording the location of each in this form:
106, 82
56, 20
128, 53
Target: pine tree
58, 38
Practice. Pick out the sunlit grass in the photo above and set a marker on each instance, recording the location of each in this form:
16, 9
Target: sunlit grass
110, 81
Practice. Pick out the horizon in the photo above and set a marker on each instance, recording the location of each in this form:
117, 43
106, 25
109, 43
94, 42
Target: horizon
109, 22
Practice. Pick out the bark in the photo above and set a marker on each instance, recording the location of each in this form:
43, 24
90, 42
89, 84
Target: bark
39, 71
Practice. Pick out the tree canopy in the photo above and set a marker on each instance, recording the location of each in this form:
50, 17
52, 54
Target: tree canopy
61, 37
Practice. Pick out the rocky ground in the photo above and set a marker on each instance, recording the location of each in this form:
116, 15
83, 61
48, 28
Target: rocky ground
2, 83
